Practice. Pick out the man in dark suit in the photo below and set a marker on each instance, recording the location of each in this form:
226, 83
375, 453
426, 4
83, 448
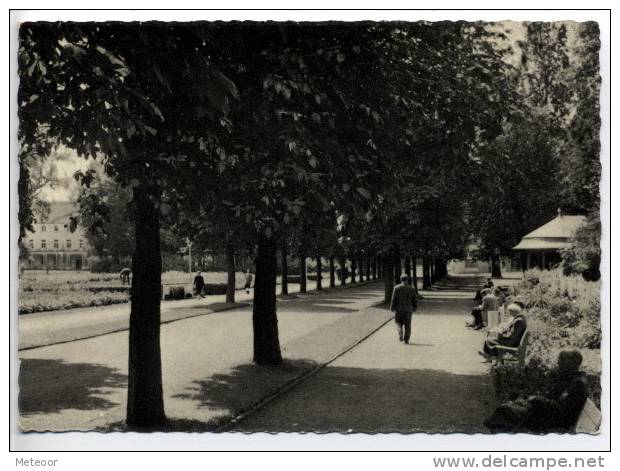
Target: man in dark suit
404, 302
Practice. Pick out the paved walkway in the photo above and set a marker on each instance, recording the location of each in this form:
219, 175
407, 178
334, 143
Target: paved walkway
208, 372
47, 328
436, 384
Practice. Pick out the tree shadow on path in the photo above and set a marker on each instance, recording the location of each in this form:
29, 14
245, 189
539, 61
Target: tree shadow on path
343, 399
239, 389
50, 386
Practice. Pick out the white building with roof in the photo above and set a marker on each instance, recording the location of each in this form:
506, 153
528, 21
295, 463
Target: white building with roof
52, 244
541, 247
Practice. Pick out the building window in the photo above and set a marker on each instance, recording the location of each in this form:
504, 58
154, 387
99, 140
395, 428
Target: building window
43, 228
43, 244
31, 243
56, 228
68, 244
55, 244
81, 244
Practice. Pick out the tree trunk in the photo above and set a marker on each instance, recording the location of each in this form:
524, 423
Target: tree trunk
379, 267
283, 255
230, 269
145, 401
426, 273
414, 269
368, 269
360, 264
387, 264
496, 265
432, 269
343, 277
332, 272
264, 317
353, 268
303, 286
397, 266
319, 272
408, 267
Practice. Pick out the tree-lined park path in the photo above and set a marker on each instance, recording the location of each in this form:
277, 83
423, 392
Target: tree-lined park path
374, 384
208, 373
437, 383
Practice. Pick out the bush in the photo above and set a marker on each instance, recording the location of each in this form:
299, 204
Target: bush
584, 257
537, 377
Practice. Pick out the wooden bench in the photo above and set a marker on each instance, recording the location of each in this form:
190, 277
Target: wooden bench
166, 289
590, 418
514, 353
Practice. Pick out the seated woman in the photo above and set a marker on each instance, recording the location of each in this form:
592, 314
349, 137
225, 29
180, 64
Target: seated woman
556, 412
477, 310
509, 336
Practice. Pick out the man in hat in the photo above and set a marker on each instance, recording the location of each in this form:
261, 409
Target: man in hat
404, 302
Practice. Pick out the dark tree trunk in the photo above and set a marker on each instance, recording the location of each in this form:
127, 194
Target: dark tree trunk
343, 275
303, 286
426, 273
408, 267
283, 255
360, 263
145, 401
264, 317
374, 268
414, 269
368, 269
387, 264
496, 266
432, 269
442, 268
319, 272
332, 272
397, 266
379, 268
230, 269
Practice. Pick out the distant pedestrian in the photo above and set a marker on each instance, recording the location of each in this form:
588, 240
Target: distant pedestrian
404, 303
248, 281
199, 285
125, 276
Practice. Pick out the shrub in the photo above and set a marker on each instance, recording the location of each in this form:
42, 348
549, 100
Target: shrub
537, 377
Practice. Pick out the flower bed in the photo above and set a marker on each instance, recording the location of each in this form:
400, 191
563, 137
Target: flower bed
40, 291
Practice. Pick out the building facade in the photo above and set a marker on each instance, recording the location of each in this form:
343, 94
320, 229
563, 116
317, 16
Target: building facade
52, 245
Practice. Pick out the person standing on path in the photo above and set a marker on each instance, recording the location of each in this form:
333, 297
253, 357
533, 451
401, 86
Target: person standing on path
199, 284
404, 303
248, 281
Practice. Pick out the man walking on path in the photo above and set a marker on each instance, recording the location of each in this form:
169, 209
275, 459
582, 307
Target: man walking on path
404, 302
199, 284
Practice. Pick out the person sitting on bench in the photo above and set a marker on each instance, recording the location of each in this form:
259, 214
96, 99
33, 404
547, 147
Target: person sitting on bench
490, 302
558, 411
509, 336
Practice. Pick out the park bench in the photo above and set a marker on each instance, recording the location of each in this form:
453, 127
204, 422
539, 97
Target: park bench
514, 353
176, 291
589, 419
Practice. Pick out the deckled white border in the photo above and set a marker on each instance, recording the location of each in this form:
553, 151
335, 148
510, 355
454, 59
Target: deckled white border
177, 441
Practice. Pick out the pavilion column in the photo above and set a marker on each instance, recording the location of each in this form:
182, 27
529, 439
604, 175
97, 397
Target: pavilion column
542, 262
528, 262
